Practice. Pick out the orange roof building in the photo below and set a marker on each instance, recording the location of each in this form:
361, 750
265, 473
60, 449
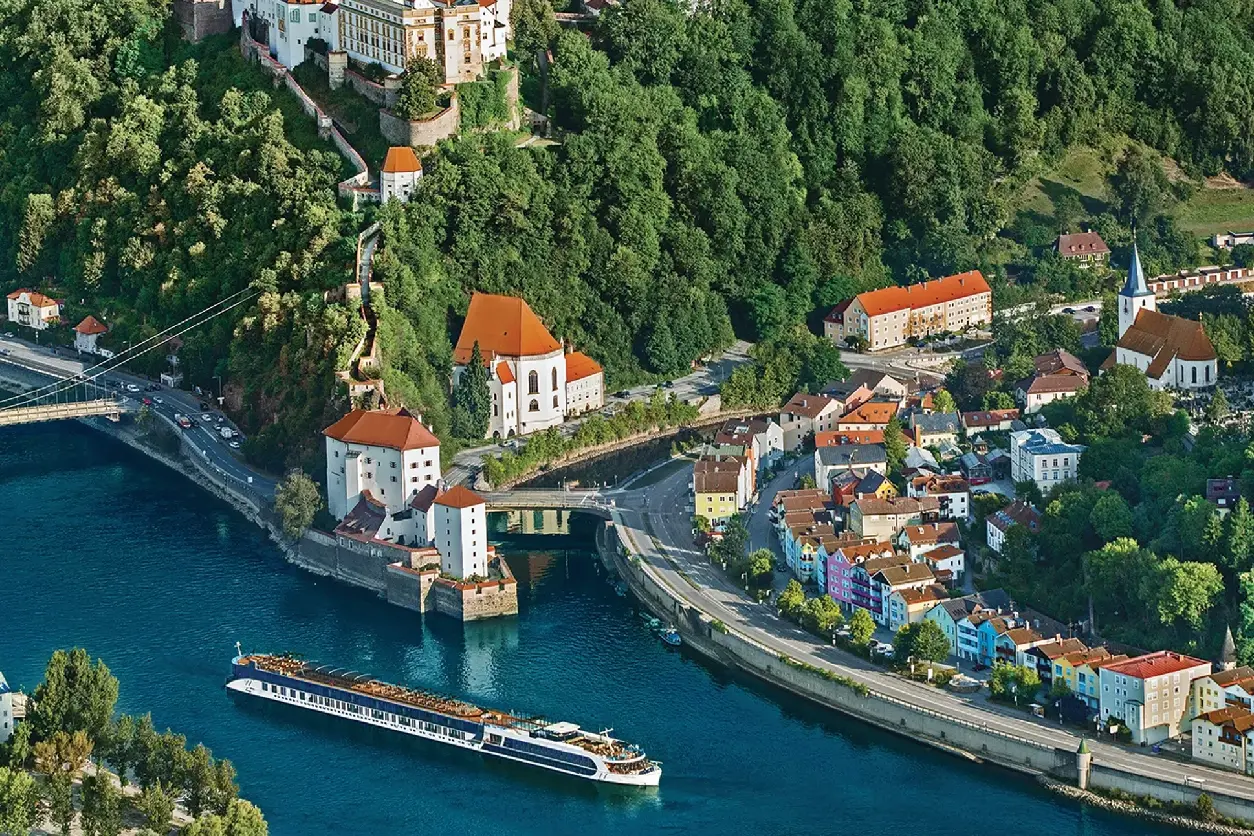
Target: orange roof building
90, 326
391, 455
400, 174
535, 383
893, 315
33, 309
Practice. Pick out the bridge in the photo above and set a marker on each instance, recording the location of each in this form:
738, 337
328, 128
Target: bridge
541, 499
106, 407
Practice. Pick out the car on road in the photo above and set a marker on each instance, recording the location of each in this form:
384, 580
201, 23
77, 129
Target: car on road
131, 387
4, 351
147, 401
183, 421
234, 445
1090, 309
206, 417
622, 393
158, 401
1068, 310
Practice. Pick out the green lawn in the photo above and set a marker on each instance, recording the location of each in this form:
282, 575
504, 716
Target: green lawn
1217, 210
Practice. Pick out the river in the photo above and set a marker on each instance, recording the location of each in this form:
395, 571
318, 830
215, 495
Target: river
110, 551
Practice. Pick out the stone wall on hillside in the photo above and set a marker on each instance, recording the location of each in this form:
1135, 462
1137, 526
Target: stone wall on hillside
422, 133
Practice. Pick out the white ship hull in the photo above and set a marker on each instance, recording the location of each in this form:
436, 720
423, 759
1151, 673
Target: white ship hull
430, 731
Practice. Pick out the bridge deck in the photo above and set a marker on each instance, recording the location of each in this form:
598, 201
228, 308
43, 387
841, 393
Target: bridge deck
59, 411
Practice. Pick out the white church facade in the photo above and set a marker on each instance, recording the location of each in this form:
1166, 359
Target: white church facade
534, 381
1172, 352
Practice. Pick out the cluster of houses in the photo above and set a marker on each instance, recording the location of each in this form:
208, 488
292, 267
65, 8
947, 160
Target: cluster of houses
725, 474
39, 312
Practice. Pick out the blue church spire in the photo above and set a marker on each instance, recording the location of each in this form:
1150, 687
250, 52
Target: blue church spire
1135, 285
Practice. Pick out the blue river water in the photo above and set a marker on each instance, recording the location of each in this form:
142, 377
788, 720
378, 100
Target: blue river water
107, 550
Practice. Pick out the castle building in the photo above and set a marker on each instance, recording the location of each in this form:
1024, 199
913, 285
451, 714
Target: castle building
534, 382
461, 533
400, 174
890, 316
389, 455
1172, 352
459, 35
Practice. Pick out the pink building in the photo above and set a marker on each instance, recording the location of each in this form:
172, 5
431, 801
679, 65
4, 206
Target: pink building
840, 564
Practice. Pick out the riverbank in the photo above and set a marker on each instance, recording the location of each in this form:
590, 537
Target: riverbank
1036, 753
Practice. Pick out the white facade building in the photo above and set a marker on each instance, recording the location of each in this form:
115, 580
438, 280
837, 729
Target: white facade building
400, 174
1150, 694
533, 381
389, 454
1172, 352
461, 533
6, 711
86, 333
1044, 458
32, 309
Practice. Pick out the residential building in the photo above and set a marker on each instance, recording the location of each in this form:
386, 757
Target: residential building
1046, 655
720, 486
804, 415
461, 533
872, 415
875, 383
910, 606
841, 560
1067, 666
828, 542
864, 591
915, 540
762, 436
1059, 374
529, 372
1041, 456
1224, 737
391, 455
953, 493
835, 438
1224, 689
889, 317
1087, 685
829, 461
86, 333
460, 37
947, 561
400, 174
1172, 352
890, 579
850, 394
1228, 240
881, 519
1150, 694
32, 309
919, 459
851, 485
6, 711
991, 420
1086, 249
975, 468
935, 429
950, 613
1016, 513
1223, 493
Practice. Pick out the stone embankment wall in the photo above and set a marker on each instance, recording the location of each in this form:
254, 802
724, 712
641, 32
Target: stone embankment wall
1131, 809
201, 18
918, 723
424, 132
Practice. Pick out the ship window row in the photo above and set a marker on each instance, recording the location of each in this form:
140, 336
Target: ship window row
546, 752
371, 703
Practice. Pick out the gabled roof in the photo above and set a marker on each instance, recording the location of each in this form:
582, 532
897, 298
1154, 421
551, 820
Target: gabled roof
1022, 636
1060, 361
717, 475
90, 325
935, 422
871, 412
836, 438
940, 553
1154, 664
1016, 513
1081, 243
935, 483
579, 366
870, 482
988, 418
1243, 676
35, 297
1163, 338
504, 373
837, 314
938, 532
923, 594
897, 505
1059, 647
851, 455
502, 325
423, 500
365, 518
863, 551
398, 430
810, 406
935, 292
459, 496
905, 573
401, 159
1236, 716
1045, 383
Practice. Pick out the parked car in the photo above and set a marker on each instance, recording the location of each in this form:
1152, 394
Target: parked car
131, 387
1090, 309
147, 401
234, 445
1068, 310
622, 393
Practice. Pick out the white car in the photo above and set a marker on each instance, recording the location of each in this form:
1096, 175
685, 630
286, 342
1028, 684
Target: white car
206, 417
157, 400
234, 445
131, 387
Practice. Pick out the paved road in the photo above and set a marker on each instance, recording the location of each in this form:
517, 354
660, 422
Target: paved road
203, 436
651, 513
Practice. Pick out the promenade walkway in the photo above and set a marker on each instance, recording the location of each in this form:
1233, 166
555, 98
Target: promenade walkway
652, 518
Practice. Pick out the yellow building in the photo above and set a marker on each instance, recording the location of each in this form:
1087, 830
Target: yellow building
718, 487
1065, 667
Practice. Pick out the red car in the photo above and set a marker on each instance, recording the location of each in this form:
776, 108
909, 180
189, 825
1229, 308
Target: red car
147, 401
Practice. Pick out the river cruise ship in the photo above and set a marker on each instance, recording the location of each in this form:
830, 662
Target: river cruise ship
560, 747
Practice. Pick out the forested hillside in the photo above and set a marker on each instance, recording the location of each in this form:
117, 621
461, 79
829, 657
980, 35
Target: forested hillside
740, 167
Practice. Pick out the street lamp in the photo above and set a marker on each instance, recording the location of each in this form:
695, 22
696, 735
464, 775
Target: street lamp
218, 378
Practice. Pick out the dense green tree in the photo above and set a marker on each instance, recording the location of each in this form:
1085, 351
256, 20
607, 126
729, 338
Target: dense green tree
924, 640
942, 401
1017, 682
419, 83
861, 627
472, 399
156, 805
1138, 185
1111, 517
19, 747
791, 599
102, 813
821, 616
895, 442
19, 801
533, 24
298, 501
75, 695
761, 566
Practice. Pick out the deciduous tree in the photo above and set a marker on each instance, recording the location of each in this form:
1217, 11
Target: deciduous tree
298, 501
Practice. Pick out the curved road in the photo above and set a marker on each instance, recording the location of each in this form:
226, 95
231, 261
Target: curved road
660, 512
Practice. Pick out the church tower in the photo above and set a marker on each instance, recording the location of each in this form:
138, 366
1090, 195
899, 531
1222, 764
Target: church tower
1135, 295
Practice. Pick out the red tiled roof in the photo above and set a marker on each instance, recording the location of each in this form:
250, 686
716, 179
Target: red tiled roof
580, 365
401, 159
942, 532
504, 373
397, 430
1060, 361
839, 438
808, 405
459, 496
502, 325
1043, 383
1154, 664
90, 325
1164, 338
837, 314
871, 412
939, 553
1081, 243
935, 292
864, 550
988, 418
36, 298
